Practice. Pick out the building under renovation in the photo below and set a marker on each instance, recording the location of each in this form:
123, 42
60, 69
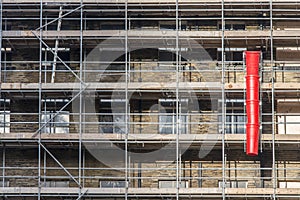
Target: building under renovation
149, 99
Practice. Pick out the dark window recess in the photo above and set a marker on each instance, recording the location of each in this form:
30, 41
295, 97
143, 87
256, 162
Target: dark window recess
238, 26
48, 59
166, 56
171, 26
231, 55
6, 55
112, 26
289, 68
9, 68
116, 67
6, 26
212, 53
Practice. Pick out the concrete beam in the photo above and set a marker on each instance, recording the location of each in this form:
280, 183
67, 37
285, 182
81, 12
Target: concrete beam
115, 86
160, 138
145, 1
249, 34
142, 86
150, 191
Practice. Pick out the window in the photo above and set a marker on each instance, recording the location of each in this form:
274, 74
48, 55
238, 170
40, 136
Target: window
288, 116
112, 184
231, 54
56, 123
200, 174
4, 121
58, 183
167, 61
6, 68
235, 116
288, 124
54, 120
4, 183
112, 116
5, 116
172, 184
289, 184
171, 25
167, 25
234, 184
112, 25
167, 117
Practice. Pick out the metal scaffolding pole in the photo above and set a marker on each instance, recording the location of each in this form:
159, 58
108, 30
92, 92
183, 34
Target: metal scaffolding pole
45, 167
126, 102
81, 100
83, 167
273, 104
223, 104
177, 102
40, 100
80, 194
3, 165
1, 32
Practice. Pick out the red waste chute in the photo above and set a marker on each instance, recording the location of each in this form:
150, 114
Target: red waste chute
252, 101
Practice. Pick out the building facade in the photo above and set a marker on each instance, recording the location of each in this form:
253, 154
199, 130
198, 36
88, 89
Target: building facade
145, 99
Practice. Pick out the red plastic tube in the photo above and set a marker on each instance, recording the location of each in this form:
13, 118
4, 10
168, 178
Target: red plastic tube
252, 102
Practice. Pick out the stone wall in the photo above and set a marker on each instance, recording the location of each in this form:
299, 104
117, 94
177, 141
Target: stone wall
144, 118
24, 115
19, 71
22, 169
21, 166
148, 70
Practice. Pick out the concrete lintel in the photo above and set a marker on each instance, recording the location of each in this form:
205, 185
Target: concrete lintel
234, 138
150, 191
114, 86
155, 33
143, 1
144, 86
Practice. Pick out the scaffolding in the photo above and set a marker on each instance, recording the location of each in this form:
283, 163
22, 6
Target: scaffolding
146, 99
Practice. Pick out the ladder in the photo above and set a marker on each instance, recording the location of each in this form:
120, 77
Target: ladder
56, 45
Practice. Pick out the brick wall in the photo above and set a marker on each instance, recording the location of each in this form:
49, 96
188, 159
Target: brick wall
27, 122
206, 172
25, 68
